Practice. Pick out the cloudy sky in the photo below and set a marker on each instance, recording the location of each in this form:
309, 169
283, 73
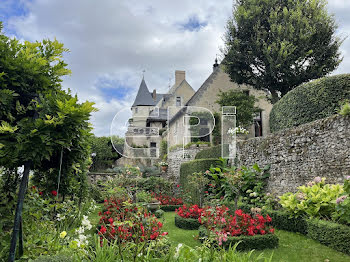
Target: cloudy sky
113, 41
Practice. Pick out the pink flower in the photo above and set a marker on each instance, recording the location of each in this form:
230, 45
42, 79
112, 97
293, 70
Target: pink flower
317, 179
348, 178
341, 199
177, 185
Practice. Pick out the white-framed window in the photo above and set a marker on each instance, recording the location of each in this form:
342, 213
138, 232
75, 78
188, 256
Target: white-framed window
178, 101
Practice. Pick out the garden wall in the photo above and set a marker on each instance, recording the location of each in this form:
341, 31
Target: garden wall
297, 155
176, 158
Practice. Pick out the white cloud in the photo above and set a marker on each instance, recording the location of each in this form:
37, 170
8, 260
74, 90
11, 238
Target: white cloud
116, 40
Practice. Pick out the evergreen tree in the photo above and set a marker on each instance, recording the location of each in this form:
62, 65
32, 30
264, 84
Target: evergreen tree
276, 45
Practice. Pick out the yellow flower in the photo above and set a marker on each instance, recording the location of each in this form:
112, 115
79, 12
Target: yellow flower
63, 234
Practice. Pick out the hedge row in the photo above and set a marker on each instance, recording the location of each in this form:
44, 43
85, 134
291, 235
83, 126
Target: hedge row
169, 208
213, 152
195, 166
311, 101
257, 242
186, 223
331, 234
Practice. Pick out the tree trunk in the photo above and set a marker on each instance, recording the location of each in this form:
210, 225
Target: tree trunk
19, 209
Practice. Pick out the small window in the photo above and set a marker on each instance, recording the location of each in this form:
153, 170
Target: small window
178, 101
246, 92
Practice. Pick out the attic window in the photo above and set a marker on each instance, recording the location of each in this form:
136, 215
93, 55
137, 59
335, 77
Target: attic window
178, 101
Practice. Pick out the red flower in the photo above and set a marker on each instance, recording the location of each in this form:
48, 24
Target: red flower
206, 192
239, 212
177, 185
40, 193
110, 220
164, 233
272, 230
103, 230
54, 192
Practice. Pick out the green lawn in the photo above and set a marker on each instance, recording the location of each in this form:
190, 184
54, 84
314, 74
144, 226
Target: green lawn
293, 247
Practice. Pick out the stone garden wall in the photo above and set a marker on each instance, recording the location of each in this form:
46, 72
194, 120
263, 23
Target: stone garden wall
176, 157
297, 155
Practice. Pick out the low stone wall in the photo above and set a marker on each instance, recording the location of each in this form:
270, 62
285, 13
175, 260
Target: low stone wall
103, 177
297, 155
177, 156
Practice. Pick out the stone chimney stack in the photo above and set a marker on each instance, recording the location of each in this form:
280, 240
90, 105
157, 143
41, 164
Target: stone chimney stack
154, 95
179, 77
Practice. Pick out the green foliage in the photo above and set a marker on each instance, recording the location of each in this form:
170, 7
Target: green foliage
198, 182
244, 243
244, 104
186, 223
311, 101
213, 152
317, 199
277, 45
216, 133
283, 220
164, 150
169, 208
330, 234
343, 205
105, 153
345, 109
39, 119
190, 167
159, 213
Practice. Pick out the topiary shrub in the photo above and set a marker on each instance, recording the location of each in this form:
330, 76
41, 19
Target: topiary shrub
284, 221
331, 234
213, 152
257, 242
169, 208
186, 223
311, 101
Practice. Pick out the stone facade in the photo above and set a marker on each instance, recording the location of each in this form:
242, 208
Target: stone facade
297, 155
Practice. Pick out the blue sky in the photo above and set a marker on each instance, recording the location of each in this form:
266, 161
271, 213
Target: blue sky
113, 42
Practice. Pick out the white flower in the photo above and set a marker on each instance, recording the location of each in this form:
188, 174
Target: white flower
177, 251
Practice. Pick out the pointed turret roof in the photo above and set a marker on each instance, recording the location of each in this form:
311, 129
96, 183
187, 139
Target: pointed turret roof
143, 97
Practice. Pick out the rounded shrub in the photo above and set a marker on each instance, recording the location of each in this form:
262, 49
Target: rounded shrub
213, 152
309, 102
186, 223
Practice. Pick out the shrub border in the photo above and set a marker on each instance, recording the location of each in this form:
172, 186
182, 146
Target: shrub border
186, 223
169, 208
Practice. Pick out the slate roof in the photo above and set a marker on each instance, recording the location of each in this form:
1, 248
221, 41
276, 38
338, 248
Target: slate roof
154, 116
144, 96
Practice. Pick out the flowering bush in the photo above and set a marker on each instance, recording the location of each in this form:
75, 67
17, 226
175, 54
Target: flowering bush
193, 211
126, 222
221, 224
316, 199
167, 200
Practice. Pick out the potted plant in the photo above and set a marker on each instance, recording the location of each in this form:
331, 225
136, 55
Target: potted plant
153, 205
164, 166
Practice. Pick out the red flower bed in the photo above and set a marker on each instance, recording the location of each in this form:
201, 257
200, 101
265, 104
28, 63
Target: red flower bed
189, 211
128, 223
219, 221
167, 200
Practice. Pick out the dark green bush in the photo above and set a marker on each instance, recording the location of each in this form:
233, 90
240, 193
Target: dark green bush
282, 220
186, 223
195, 166
159, 213
311, 101
257, 242
213, 152
60, 257
169, 208
331, 234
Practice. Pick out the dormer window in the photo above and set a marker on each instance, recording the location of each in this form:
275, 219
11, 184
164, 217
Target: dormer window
178, 101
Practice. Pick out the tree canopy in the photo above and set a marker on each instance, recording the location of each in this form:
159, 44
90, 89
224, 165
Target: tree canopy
277, 45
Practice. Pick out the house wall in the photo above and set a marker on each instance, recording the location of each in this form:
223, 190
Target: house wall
297, 155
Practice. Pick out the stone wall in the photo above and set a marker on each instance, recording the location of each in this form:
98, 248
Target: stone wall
297, 155
176, 158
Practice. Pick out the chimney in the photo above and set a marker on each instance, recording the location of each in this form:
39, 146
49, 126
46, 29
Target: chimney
179, 77
154, 95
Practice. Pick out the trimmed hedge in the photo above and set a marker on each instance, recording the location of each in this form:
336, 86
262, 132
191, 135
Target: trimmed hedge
213, 152
186, 223
194, 166
331, 234
282, 220
169, 208
311, 101
257, 242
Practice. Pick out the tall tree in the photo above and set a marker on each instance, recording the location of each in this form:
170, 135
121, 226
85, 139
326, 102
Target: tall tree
276, 45
39, 121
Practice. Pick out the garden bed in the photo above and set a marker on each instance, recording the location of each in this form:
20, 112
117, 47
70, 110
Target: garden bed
257, 242
186, 223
